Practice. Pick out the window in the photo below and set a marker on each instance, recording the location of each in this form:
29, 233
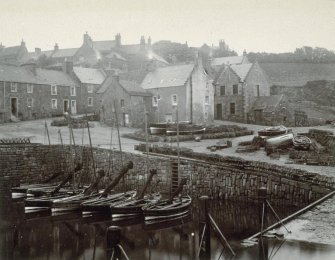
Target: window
122, 102
90, 102
54, 103
30, 88
235, 89
89, 88
232, 108
174, 100
53, 90
257, 91
207, 100
222, 90
154, 101
13, 87
73, 91
30, 102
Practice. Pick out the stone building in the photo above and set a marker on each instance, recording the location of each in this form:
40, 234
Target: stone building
270, 110
14, 55
28, 92
126, 98
236, 89
187, 87
90, 81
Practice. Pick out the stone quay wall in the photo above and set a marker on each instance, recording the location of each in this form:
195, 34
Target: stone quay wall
225, 178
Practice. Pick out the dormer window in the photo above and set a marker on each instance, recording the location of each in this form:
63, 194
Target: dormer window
30, 88
53, 90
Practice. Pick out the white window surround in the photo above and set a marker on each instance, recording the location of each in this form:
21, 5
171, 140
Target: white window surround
54, 103
73, 91
90, 101
53, 89
30, 88
174, 99
13, 87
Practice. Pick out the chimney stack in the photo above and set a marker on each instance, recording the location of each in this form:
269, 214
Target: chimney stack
142, 43
149, 42
244, 53
118, 40
56, 48
68, 67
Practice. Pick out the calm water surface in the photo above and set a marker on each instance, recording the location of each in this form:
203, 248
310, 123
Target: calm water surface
71, 236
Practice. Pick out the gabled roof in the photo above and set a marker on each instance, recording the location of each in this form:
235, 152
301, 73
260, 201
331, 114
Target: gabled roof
89, 75
104, 45
242, 70
170, 76
267, 103
228, 60
13, 50
62, 53
132, 88
24, 75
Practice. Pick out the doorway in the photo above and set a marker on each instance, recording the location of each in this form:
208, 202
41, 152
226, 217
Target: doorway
73, 107
14, 109
258, 114
219, 111
65, 105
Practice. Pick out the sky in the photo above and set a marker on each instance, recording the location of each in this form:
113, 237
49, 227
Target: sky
254, 25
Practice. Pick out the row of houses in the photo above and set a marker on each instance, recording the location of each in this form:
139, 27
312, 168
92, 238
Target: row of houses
108, 78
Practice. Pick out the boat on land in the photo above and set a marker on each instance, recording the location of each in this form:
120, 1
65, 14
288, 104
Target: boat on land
163, 128
273, 131
280, 140
301, 142
186, 132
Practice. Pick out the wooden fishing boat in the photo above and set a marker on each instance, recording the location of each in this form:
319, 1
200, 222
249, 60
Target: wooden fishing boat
103, 204
166, 209
273, 131
168, 222
157, 130
285, 139
301, 142
133, 208
186, 132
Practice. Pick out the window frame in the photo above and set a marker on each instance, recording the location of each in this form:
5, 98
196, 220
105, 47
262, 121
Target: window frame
174, 100
222, 93
56, 103
235, 89
258, 92
32, 102
75, 91
154, 101
90, 88
56, 90
232, 111
207, 100
122, 104
30, 88
13, 87
90, 104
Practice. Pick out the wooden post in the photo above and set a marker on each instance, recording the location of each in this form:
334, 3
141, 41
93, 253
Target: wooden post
47, 131
118, 134
204, 231
60, 137
89, 137
113, 241
178, 152
262, 213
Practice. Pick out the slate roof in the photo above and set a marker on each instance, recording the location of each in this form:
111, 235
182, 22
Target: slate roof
267, 103
89, 75
13, 50
170, 76
133, 88
242, 70
115, 55
104, 45
130, 87
35, 56
228, 60
60, 53
24, 75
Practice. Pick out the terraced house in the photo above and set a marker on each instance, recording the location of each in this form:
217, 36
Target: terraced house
28, 92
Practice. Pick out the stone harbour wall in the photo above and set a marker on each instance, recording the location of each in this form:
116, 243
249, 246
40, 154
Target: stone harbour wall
224, 178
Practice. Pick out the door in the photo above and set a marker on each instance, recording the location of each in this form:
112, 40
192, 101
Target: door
219, 111
65, 105
73, 107
258, 114
14, 109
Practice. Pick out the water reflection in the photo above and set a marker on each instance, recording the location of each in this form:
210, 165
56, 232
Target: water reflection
72, 236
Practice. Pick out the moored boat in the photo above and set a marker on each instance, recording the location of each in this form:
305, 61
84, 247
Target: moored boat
285, 139
186, 132
301, 142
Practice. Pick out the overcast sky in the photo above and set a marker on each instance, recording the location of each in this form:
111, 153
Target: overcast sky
254, 25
